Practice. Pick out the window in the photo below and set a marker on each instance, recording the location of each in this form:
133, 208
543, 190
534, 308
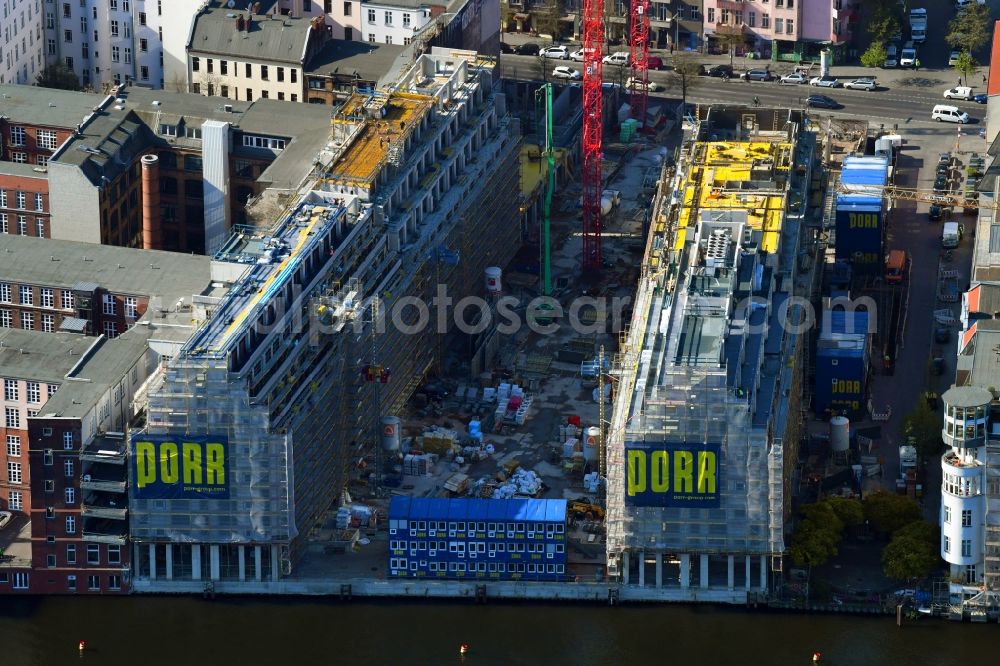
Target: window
110, 330
371, 37
789, 26
209, 65
131, 304
114, 28
249, 71
295, 97
71, 554
46, 139
114, 554
142, 18
13, 417
128, 55
6, 320
70, 495
224, 67
42, 160
48, 323
281, 96
15, 501
67, 36
113, 5
406, 20
263, 72
68, 468
195, 64
711, 14
50, 561
93, 553
67, 299
93, 582
10, 391
68, 441
109, 304
192, 163
70, 524
20, 580
966, 547
47, 458
20, 158
13, 446
22, 225
51, 46
22, 200
50, 487
371, 15
947, 544
347, 9
115, 54
25, 295
947, 514
752, 16
295, 76
264, 94
765, 21
13, 472
388, 39
966, 517
143, 72
114, 582
281, 73
779, 25
388, 18
34, 391
249, 93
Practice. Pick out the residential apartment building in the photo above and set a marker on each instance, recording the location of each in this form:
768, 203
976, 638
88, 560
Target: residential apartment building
24, 200
248, 57
429, 164
73, 398
792, 30
22, 49
397, 21
34, 121
344, 16
340, 68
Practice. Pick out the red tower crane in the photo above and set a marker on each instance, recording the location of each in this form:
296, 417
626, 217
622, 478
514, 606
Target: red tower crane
639, 55
593, 128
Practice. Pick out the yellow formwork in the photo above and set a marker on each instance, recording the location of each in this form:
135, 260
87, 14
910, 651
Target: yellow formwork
535, 167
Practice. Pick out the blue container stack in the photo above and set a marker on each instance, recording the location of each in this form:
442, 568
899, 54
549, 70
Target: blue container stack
842, 363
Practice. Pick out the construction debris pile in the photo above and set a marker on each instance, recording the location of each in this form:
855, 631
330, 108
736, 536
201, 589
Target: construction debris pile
522, 483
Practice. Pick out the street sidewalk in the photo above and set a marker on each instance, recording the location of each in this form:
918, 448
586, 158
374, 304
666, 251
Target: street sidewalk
925, 77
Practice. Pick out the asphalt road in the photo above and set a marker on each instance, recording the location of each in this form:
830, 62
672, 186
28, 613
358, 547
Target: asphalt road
902, 100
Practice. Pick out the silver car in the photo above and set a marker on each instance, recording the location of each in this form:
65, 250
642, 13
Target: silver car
864, 83
825, 82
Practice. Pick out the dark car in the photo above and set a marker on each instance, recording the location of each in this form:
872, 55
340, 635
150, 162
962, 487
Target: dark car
935, 212
944, 158
942, 334
721, 71
655, 63
528, 49
943, 168
506, 48
941, 184
980, 98
823, 102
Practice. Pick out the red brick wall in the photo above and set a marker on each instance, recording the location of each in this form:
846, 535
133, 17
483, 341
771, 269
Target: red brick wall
31, 186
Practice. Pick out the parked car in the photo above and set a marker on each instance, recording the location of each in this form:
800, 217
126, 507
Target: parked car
864, 83
528, 49
980, 98
619, 58
942, 334
941, 184
637, 84
891, 57
577, 55
908, 57
655, 63
935, 212
953, 58
794, 78
557, 52
825, 82
757, 75
564, 72
823, 102
959, 92
721, 71
506, 48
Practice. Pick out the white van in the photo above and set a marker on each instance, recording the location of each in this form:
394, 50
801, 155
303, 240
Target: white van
949, 114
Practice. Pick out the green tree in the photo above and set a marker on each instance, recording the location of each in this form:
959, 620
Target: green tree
966, 65
888, 512
817, 535
913, 551
685, 70
849, 511
922, 425
58, 75
875, 55
728, 38
884, 19
971, 28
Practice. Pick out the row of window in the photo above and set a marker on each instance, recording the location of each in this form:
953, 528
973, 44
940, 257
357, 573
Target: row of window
46, 296
966, 516
490, 547
21, 581
786, 26
402, 564
20, 199
265, 72
223, 91
22, 225
12, 391
114, 555
46, 139
19, 157
372, 38
966, 546
48, 321
454, 527
387, 18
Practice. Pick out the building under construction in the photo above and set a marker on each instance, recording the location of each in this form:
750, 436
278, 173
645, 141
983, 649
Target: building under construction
254, 426
707, 410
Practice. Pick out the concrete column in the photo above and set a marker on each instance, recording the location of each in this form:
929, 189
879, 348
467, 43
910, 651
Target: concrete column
685, 571
732, 571
152, 561
275, 563
642, 568
170, 561
243, 563
659, 570
195, 561
257, 570
213, 562
626, 561
152, 232
704, 572
746, 575
763, 572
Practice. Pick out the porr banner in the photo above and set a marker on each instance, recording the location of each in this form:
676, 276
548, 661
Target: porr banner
672, 474
180, 467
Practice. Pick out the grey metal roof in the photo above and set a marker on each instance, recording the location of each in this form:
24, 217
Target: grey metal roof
85, 286
995, 238
73, 325
121, 270
106, 144
967, 396
281, 39
307, 126
368, 61
41, 357
46, 106
23, 170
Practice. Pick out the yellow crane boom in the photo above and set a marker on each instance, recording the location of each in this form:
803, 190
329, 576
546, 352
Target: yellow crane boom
895, 193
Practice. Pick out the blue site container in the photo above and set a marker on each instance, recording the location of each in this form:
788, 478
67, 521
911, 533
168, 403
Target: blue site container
842, 362
860, 216
490, 539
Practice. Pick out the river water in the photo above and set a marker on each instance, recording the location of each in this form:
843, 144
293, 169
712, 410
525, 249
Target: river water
148, 631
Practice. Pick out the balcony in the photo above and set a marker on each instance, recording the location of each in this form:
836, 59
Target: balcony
104, 505
99, 530
104, 477
109, 448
